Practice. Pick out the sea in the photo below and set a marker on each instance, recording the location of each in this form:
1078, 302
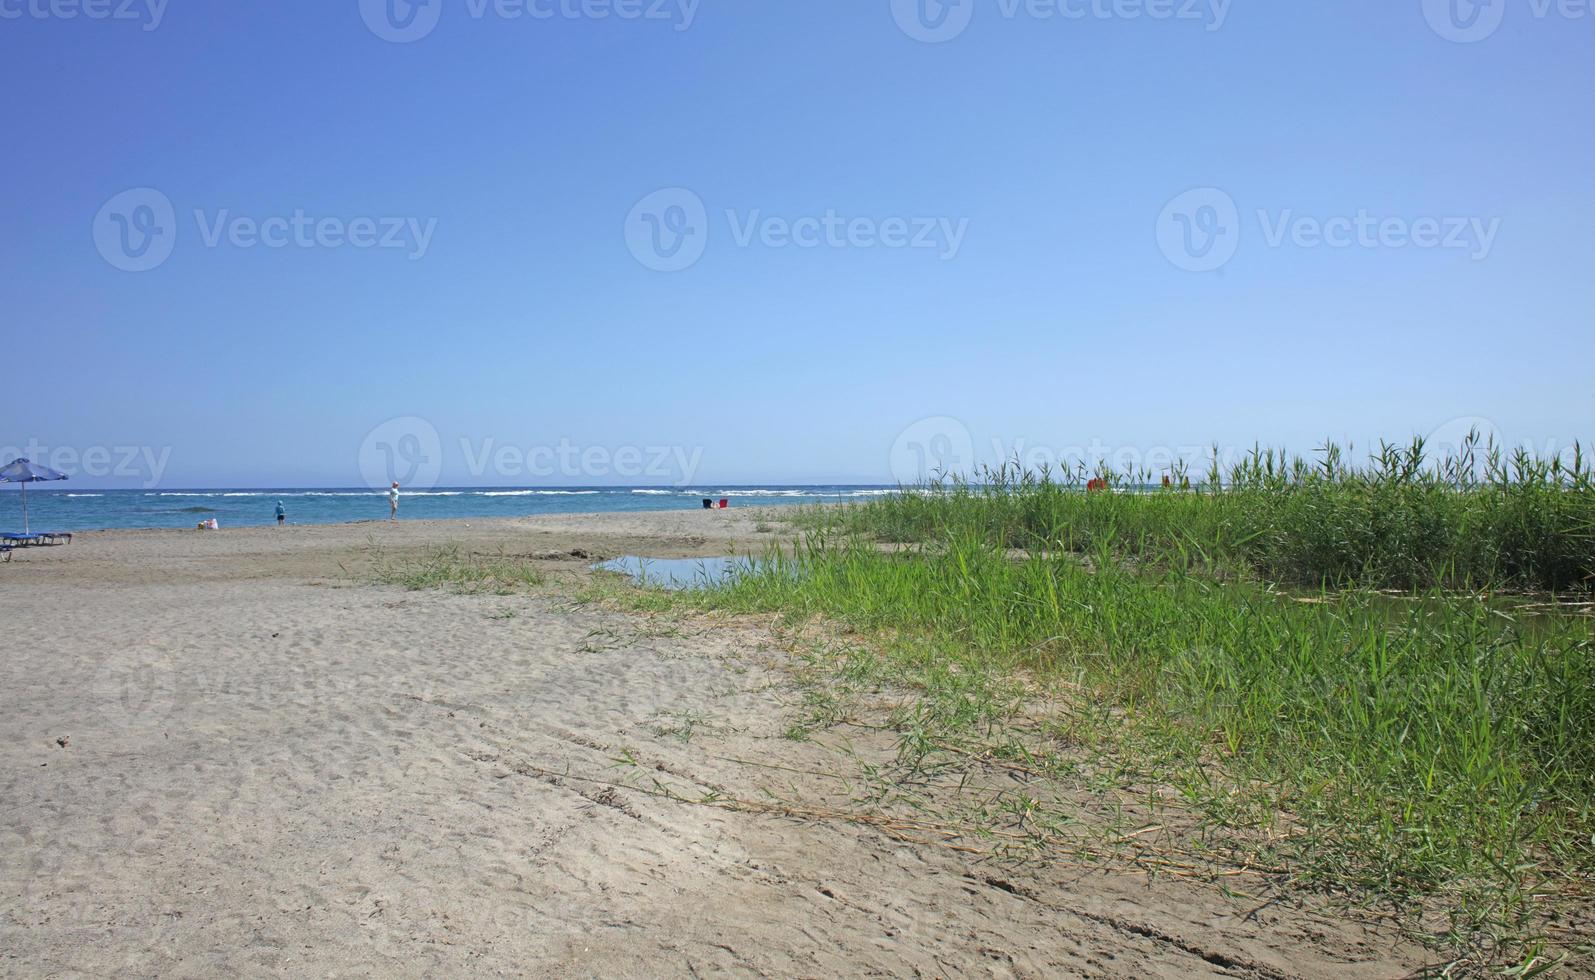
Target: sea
61, 509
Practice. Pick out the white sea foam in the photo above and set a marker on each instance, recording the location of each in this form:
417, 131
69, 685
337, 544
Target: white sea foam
538, 493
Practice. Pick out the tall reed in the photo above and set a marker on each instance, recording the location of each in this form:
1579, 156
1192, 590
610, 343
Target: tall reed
1476, 519
1427, 743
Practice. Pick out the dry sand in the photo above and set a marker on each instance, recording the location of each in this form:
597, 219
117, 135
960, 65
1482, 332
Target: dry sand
272, 767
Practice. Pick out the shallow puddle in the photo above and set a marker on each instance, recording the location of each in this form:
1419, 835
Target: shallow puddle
677, 573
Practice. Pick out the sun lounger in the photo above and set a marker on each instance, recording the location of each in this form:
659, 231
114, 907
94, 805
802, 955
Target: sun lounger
5, 552
42, 537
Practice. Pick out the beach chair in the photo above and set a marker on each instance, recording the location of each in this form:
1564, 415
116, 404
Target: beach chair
5, 552
16, 540
56, 537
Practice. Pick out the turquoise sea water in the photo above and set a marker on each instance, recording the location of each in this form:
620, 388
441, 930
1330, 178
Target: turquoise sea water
60, 508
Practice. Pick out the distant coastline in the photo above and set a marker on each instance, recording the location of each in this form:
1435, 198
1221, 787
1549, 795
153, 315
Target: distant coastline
87, 509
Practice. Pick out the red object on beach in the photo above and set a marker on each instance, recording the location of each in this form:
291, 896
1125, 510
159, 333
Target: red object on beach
1096, 486
724, 503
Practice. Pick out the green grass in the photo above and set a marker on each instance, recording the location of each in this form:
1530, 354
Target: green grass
455, 568
1474, 521
1367, 677
1432, 748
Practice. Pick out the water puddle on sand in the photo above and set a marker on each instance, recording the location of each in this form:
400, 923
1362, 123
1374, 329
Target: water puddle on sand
677, 573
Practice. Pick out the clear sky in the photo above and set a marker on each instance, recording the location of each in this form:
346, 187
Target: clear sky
889, 229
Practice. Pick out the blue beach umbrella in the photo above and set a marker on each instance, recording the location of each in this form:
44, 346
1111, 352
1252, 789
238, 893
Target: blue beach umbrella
23, 472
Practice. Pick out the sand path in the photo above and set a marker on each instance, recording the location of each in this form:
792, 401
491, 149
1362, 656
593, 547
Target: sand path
269, 768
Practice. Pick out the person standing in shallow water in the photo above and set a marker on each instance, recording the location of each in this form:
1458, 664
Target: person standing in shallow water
282, 515
393, 503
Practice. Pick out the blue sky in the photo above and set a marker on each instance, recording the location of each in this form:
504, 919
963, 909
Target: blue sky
999, 247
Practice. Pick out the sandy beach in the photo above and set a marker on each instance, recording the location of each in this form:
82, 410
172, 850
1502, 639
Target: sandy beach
230, 753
